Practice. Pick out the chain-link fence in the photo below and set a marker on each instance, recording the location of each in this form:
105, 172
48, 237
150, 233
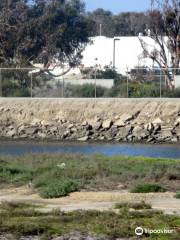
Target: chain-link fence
122, 83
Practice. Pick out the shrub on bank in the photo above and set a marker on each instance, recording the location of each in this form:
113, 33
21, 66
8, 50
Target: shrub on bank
146, 188
137, 206
177, 195
59, 188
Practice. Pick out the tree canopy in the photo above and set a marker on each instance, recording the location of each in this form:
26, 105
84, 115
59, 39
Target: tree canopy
42, 31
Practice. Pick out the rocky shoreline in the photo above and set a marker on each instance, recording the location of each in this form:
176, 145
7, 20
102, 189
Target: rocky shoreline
106, 120
121, 128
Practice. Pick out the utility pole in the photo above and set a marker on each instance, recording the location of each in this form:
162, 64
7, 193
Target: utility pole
100, 29
114, 52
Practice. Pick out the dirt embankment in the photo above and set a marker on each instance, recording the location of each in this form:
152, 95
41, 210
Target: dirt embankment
95, 119
101, 201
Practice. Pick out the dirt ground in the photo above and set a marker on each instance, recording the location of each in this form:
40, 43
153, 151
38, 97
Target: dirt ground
92, 200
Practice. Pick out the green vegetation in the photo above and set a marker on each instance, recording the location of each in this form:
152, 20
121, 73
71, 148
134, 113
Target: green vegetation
177, 195
146, 188
137, 206
59, 188
29, 220
44, 173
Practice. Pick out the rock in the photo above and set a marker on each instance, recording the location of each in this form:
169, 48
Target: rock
140, 133
176, 131
157, 121
45, 123
70, 126
126, 117
21, 128
101, 138
85, 123
97, 126
157, 128
119, 123
107, 124
164, 135
66, 134
36, 122
31, 130
11, 133
88, 127
150, 140
174, 139
53, 129
149, 127
83, 139
124, 132
177, 122
41, 135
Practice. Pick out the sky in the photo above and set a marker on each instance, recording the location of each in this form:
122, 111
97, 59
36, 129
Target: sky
117, 6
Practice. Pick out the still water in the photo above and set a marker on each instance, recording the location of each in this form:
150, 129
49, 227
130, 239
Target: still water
108, 149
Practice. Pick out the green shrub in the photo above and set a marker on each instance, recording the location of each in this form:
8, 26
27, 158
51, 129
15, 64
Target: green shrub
177, 195
146, 188
59, 188
137, 206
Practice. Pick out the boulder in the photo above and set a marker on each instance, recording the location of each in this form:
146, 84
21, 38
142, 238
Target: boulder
119, 123
70, 126
97, 126
126, 117
85, 123
41, 135
157, 121
149, 127
83, 139
11, 133
177, 122
45, 123
36, 122
107, 124
140, 133
124, 132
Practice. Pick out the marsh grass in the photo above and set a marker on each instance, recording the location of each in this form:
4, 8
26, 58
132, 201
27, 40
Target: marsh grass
177, 195
29, 221
147, 188
85, 172
136, 206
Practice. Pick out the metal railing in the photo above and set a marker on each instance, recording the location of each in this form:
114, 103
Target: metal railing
128, 83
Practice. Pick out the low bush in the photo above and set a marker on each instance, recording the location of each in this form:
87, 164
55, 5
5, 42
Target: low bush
59, 188
137, 206
177, 195
146, 188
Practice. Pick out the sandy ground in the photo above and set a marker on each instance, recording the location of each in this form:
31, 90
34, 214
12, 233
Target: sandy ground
92, 200
26, 110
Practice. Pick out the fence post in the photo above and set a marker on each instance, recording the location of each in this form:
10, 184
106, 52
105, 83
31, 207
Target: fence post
95, 90
31, 84
62, 87
127, 87
160, 86
0, 82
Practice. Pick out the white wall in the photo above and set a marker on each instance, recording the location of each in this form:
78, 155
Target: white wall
128, 52
107, 83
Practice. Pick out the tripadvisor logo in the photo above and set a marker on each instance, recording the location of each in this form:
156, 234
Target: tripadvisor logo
139, 231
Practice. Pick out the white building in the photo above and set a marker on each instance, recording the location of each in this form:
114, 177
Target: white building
128, 53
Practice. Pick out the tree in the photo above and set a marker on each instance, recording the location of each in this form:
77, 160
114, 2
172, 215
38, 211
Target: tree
123, 24
42, 31
103, 18
164, 23
129, 23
